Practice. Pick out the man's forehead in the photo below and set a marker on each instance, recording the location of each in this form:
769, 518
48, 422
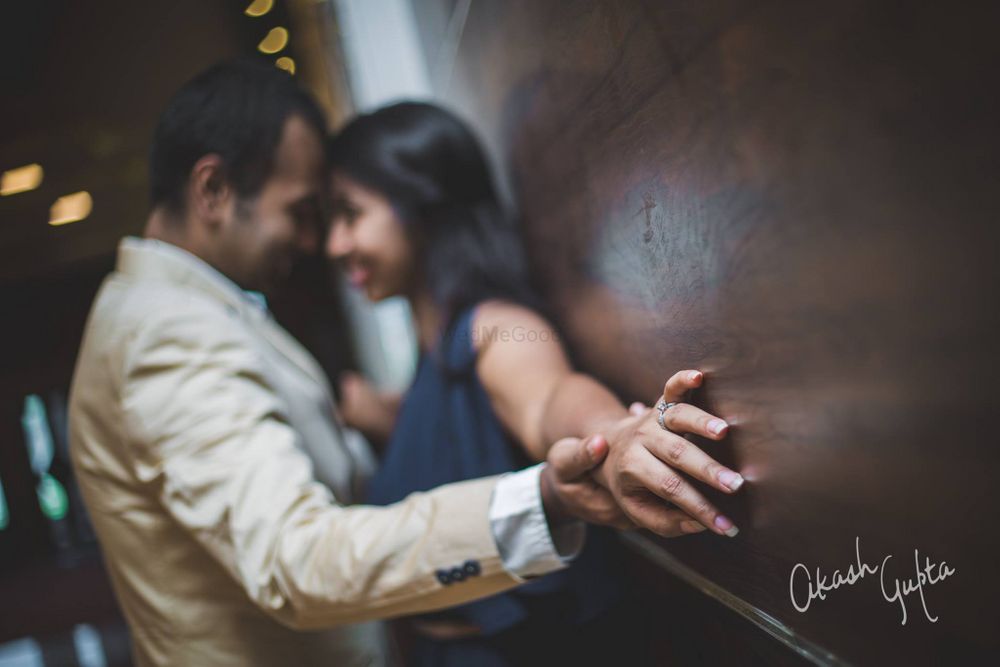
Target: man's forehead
300, 150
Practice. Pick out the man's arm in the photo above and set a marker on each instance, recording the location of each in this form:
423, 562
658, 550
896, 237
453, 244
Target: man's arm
213, 439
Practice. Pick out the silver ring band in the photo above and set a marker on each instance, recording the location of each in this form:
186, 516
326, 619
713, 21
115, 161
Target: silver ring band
662, 406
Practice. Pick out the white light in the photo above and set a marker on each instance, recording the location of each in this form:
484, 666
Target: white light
89, 651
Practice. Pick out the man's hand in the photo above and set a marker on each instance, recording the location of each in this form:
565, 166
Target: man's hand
569, 491
642, 469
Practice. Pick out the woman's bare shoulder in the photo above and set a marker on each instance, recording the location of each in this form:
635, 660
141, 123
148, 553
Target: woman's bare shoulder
499, 320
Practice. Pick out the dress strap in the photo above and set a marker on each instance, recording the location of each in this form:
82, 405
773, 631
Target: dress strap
456, 352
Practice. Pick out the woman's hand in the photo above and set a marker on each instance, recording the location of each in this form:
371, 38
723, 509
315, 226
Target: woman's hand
365, 408
644, 465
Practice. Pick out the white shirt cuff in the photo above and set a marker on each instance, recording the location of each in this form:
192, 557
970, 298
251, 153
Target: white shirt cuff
521, 532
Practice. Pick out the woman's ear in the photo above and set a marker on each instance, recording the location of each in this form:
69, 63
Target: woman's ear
209, 192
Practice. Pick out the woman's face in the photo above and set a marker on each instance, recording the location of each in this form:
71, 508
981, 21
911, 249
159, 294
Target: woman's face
368, 240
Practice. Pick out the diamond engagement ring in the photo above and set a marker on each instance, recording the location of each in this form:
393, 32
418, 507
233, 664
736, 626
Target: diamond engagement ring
661, 406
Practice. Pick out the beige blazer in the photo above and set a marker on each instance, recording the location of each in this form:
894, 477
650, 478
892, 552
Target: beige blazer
206, 444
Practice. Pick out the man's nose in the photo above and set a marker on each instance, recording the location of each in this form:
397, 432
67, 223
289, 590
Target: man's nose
308, 239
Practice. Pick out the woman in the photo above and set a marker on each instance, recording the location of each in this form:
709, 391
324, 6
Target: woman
417, 215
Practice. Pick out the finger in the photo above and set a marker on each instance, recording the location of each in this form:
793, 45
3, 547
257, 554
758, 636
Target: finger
346, 380
686, 418
683, 455
625, 523
571, 458
349, 376
671, 486
649, 512
596, 503
637, 408
352, 387
681, 383
613, 513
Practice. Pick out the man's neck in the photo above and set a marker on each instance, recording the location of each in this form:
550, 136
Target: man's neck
162, 226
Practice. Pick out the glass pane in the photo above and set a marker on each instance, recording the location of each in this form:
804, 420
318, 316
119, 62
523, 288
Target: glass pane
4, 513
38, 436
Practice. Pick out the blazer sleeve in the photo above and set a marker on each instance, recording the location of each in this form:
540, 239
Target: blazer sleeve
212, 440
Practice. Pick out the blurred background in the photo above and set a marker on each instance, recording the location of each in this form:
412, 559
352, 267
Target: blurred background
80, 92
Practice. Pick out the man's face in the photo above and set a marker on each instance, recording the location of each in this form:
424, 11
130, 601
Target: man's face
262, 236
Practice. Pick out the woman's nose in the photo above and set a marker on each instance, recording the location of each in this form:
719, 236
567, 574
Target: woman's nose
338, 244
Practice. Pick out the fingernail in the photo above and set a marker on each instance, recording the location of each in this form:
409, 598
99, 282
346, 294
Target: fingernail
717, 426
694, 376
591, 445
731, 479
726, 526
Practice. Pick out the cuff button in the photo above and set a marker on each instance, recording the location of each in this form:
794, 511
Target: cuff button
471, 568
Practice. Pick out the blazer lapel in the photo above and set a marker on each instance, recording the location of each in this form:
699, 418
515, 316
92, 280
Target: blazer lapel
291, 349
155, 260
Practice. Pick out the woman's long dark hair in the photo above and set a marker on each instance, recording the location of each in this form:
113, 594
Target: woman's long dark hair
431, 168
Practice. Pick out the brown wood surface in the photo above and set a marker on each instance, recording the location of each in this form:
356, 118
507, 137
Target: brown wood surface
800, 199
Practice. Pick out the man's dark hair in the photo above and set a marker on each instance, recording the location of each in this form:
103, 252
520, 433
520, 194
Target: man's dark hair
236, 110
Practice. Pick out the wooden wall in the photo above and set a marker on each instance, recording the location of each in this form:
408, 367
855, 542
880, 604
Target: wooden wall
799, 198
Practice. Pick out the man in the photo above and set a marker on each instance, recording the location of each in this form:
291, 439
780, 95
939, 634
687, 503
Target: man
205, 440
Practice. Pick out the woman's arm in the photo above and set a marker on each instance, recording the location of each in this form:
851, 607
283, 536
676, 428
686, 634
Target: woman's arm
535, 392
367, 409
539, 398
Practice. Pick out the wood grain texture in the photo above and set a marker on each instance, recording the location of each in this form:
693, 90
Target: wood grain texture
800, 199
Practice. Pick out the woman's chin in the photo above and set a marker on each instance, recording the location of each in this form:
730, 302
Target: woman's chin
374, 294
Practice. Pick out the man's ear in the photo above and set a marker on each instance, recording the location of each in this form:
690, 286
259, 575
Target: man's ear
209, 192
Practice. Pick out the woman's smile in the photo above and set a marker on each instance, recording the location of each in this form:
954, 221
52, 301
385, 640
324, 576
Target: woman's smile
357, 274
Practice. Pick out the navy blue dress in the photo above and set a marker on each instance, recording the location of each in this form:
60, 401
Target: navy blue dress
447, 431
